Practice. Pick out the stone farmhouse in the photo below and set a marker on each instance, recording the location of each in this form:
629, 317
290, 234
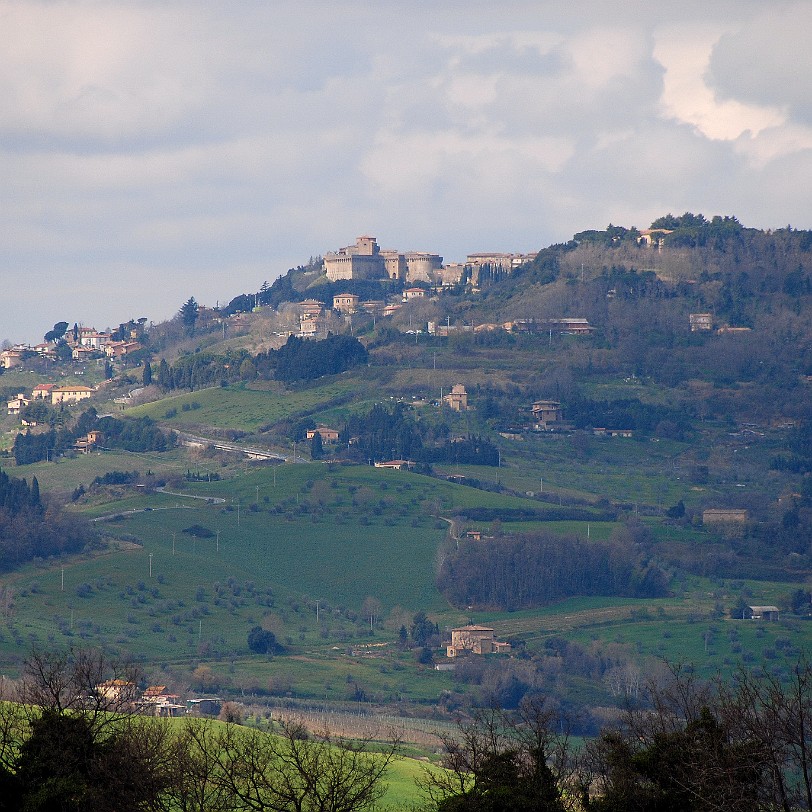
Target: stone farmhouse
546, 411
327, 434
457, 399
474, 640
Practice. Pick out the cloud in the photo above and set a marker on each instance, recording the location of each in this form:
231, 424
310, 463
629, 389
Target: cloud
767, 62
150, 151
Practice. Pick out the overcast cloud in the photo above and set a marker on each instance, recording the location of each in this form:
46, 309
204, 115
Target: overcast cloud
150, 151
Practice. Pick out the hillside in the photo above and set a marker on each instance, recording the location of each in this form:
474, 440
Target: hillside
649, 424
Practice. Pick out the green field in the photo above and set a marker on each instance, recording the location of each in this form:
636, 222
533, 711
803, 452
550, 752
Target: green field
242, 408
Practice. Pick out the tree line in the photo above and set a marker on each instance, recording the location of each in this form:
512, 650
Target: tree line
298, 360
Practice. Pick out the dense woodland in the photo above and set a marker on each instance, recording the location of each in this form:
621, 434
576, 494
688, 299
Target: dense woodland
32, 527
535, 569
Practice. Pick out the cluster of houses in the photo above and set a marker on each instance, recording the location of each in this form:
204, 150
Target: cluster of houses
156, 700
51, 393
562, 326
314, 316
85, 343
703, 322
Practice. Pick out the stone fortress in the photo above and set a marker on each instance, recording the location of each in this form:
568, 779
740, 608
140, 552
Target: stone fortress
365, 260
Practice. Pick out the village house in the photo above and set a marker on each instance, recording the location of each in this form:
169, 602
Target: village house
87, 443
474, 640
42, 391
11, 358
310, 308
327, 435
312, 326
391, 309
17, 403
70, 394
117, 349
700, 321
546, 411
653, 237
83, 353
457, 399
374, 307
44, 350
413, 293
346, 303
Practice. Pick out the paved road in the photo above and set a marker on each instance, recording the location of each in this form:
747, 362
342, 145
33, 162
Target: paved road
251, 451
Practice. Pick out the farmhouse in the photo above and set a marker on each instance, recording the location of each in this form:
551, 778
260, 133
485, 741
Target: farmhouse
570, 326
700, 321
87, 443
70, 394
763, 612
474, 640
724, 516
327, 435
546, 411
457, 399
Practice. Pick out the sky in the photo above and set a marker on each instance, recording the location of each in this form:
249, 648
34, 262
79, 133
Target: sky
155, 150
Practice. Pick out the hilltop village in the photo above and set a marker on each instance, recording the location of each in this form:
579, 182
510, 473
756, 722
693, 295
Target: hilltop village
388, 486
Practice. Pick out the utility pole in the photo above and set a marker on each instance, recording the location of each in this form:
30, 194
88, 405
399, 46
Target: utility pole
218, 541
150, 565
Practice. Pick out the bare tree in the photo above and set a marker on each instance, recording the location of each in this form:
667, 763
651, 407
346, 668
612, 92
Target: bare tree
76, 741
290, 770
503, 761
707, 747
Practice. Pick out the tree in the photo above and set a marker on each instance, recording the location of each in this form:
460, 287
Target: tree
60, 328
741, 745
371, 610
79, 744
293, 770
422, 629
261, 641
503, 762
188, 314
316, 446
146, 377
